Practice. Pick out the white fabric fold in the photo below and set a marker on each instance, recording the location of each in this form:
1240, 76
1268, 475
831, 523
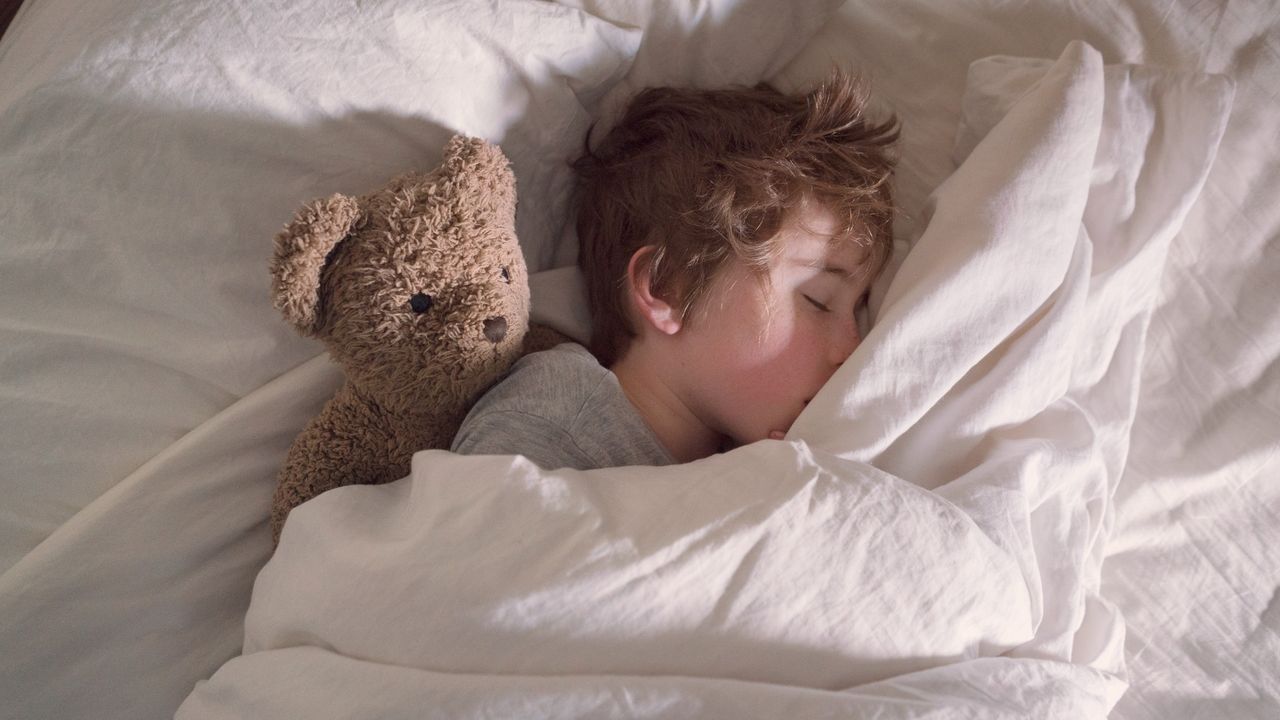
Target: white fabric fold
488, 564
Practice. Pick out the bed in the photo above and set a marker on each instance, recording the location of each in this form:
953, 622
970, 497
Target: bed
149, 152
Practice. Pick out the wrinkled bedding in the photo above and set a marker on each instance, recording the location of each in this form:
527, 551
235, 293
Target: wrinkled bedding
148, 391
929, 535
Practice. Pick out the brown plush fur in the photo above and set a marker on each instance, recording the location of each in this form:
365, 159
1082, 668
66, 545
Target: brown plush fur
347, 270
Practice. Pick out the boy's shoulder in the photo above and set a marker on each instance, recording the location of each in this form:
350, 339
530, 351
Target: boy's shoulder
553, 383
566, 353
560, 408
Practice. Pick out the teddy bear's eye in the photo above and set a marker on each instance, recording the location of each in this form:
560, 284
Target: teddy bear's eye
421, 302
506, 276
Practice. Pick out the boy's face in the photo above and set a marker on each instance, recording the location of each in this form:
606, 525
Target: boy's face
755, 355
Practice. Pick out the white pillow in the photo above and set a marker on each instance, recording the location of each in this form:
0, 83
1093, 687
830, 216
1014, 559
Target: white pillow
709, 43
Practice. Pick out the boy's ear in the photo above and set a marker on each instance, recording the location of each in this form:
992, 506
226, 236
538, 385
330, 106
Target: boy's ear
653, 310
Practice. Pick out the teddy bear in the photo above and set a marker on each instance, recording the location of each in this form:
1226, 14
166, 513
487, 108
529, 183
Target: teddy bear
419, 292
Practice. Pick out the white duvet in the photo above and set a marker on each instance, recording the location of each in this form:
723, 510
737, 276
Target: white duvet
926, 541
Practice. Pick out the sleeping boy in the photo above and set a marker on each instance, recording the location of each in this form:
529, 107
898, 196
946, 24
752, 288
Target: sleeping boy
727, 239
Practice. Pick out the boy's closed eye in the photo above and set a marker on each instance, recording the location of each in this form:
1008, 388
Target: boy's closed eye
817, 304
857, 306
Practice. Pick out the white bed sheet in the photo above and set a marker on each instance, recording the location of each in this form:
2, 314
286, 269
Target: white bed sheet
1191, 561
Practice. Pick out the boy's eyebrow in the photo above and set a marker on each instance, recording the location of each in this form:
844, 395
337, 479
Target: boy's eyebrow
833, 269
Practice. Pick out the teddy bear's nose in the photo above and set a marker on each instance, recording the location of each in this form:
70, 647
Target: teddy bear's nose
421, 302
495, 328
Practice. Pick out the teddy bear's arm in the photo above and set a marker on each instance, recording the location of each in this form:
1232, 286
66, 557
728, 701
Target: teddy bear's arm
348, 443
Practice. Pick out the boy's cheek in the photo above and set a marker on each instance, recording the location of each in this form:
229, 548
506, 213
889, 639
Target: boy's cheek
771, 414
752, 414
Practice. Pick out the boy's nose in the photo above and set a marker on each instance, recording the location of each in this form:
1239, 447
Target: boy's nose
844, 345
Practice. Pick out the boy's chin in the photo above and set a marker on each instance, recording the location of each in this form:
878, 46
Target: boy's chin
774, 428
755, 436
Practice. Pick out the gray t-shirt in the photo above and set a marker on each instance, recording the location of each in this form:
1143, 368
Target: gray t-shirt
560, 408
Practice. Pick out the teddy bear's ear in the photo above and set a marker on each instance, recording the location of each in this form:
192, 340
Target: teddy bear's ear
481, 170
300, 253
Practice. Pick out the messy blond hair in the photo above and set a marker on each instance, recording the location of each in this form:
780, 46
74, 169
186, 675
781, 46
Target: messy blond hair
708, 176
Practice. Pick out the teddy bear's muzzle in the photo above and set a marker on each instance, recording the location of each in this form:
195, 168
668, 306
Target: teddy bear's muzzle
495, 328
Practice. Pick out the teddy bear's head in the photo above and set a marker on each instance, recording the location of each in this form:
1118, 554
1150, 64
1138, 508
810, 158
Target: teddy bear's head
419, 289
